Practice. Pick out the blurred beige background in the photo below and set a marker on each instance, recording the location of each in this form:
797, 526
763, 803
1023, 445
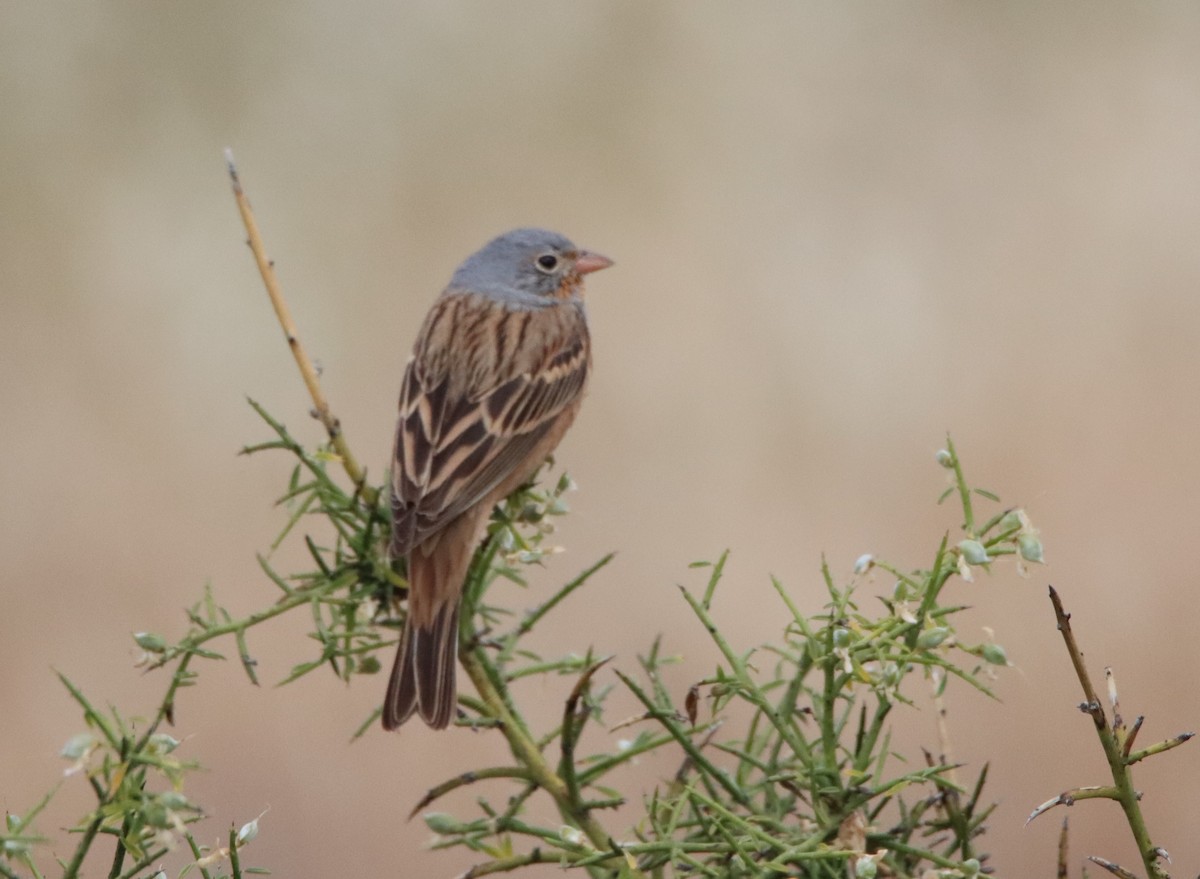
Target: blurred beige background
840, 229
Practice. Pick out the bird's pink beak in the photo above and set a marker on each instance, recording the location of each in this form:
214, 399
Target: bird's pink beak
588, 262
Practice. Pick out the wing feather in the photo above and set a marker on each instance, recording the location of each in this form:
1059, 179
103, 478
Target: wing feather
458, 439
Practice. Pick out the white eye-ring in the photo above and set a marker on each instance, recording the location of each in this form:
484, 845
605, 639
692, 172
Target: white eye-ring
547, 262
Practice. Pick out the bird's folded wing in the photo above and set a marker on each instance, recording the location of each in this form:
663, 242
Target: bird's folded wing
450, 453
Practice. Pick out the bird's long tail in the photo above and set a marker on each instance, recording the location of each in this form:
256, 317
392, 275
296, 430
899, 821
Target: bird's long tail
423, 673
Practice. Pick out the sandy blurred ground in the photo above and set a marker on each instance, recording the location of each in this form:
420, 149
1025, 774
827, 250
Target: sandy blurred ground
841, 229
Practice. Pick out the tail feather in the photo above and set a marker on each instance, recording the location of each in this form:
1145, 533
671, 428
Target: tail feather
435, 653
401, 700
424, 672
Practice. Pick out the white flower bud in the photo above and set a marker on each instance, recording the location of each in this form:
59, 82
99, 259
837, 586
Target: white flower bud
161, 743
248, 832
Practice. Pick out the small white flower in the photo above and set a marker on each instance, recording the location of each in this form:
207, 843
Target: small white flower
79, 749
843, 653
366, 610
217, 854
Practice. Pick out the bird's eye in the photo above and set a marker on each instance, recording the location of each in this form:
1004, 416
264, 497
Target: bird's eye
547, 262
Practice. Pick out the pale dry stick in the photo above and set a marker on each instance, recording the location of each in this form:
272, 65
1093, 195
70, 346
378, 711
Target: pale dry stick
308, 372
1062, 871
1113, 739
948, 802
1116, 869
943, 729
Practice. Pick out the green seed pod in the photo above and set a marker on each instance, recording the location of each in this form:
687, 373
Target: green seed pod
150, 642
995, 654
931, 638
1030, 548
440, 822
973, 552
173, 800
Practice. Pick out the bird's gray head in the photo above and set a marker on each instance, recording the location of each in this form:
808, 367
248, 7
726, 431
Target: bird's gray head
529, 266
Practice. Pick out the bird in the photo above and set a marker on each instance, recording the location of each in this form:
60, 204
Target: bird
496, 377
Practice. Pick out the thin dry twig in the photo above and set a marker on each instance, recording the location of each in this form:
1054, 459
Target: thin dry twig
1114, 868
308, 371
1070, 797
1062, 851
1092, 704
464, 779
1116, 739
943, 729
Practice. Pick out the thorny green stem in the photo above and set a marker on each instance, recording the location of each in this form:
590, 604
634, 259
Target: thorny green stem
489, 684
798, 745
534, 616
145, 862
466, 778
235, 864
685, 741
964, 491
507, 865
1113, 747
119, 854
197, 854
189, 644
81, 849
478, 668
